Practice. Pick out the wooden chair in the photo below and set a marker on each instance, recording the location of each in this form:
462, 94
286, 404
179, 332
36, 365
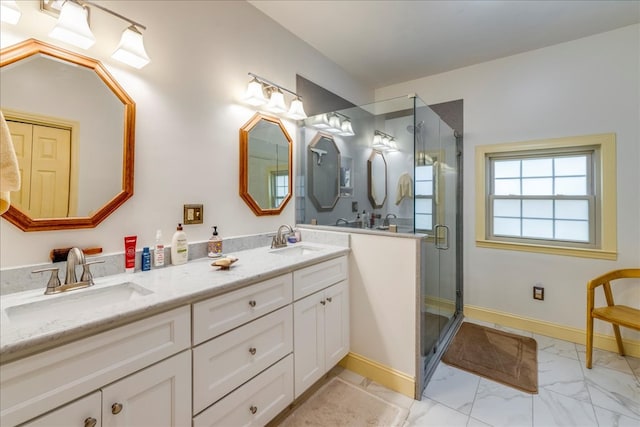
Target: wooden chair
617, 315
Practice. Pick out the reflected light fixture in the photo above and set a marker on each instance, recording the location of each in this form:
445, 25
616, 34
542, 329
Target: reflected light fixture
347, 129
276, 102
384, 142
9, 12
73, 26
335, 125
131, 48
333, 122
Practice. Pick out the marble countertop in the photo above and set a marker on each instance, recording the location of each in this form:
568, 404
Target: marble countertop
169, 287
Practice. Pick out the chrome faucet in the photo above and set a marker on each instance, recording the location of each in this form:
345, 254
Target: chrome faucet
386, 219
339, 220
280, 240
75, 257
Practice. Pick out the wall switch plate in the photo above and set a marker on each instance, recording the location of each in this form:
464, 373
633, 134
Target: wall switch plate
538, 293
192, 214
354, 206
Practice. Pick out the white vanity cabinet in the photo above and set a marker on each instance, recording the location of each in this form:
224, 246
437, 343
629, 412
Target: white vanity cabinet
46, 381
321, 321
85, 412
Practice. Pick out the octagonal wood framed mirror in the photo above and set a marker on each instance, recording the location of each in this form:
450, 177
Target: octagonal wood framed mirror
266, 155
44, 86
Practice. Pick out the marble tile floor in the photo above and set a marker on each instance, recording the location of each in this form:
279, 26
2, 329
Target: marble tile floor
569, 394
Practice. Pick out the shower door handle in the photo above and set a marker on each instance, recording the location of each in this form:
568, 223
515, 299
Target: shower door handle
440, 238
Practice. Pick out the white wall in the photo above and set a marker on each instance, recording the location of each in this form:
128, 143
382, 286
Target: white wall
586, 86
188, 116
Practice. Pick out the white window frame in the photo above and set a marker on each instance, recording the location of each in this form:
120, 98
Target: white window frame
603, 228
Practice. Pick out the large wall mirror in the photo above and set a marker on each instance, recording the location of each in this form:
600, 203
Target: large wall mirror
323, 169
73, 128
377, 179
265, 165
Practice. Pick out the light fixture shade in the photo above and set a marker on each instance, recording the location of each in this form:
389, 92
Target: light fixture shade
72, 26
254, 95
347, 129
321, 121
296, 111
335, 126
276, 102
9, 12
131, 49
377, 141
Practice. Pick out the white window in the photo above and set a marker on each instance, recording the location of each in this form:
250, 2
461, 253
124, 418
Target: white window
555, 196
424, 189
279, 187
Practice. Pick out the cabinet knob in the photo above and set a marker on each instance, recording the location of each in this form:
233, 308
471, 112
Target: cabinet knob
252, 303
116, 408
323, 302
253, 409
90, 422
252, 350
329, 299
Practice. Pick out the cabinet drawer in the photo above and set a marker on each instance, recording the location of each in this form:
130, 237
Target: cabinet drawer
220, 314
316, 277
44, 381
256, 402
77, 413
224, 363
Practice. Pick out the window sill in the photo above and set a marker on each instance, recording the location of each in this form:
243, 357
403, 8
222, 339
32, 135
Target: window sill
551, 250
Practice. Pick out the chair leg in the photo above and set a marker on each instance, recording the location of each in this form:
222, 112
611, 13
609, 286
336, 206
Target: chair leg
589, 340
616, 331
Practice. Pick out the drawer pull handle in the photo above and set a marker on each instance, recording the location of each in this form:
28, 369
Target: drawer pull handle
253, 409
90, 422
323, 302
116, 408
329, 299
252, 303
252, 350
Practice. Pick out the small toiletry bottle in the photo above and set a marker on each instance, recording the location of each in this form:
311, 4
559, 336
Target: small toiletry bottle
365, 219
214, 247
146, 259
298, 235
158, 250
179, 247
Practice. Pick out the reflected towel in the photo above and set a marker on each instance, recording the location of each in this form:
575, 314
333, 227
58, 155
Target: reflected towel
404, 189
9, 172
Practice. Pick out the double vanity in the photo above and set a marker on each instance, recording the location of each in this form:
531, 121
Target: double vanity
199, 345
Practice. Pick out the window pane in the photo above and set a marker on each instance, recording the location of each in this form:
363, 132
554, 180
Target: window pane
506, 168
424, 188
537, 186
424, 222
424, 173
506, 227
571, 166
537, 208
572, 230
537, 228
506, 208
504, 187
537, 167
572, 209
423, 206
571, 186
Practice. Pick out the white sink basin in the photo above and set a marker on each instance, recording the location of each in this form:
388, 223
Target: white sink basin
73, 302
295, 250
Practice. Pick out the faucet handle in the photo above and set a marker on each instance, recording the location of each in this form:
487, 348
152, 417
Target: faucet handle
54, 280
86, 272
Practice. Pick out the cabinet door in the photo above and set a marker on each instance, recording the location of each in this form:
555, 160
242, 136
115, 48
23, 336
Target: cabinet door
308, 337
156, 396
336, 321
83, 412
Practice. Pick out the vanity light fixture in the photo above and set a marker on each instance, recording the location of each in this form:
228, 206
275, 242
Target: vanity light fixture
384, 142
9, 12
255, 95
73, 28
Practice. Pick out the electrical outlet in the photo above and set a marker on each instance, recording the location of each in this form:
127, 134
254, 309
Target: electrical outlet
538, 293
192, 214
354, 206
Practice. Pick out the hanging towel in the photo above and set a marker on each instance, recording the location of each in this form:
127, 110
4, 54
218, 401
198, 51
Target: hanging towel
404, 189
9, 172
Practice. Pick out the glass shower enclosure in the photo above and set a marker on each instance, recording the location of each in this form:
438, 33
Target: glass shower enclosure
400, 169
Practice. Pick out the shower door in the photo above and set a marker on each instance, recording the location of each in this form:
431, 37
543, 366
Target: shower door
437, 215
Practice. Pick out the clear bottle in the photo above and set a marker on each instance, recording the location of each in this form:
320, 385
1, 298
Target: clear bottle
146, 259
179, 247
365, 219
158, 250
214, 247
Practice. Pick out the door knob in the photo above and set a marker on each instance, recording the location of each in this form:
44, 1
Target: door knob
252, 303
253, 409
90, 422
323, 302
329, 299
252, 350
116, 408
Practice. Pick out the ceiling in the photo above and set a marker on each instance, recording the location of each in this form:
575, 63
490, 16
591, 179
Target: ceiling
385, 42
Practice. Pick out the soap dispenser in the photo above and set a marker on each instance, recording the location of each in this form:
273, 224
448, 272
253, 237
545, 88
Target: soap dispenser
214, 247
179, 247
